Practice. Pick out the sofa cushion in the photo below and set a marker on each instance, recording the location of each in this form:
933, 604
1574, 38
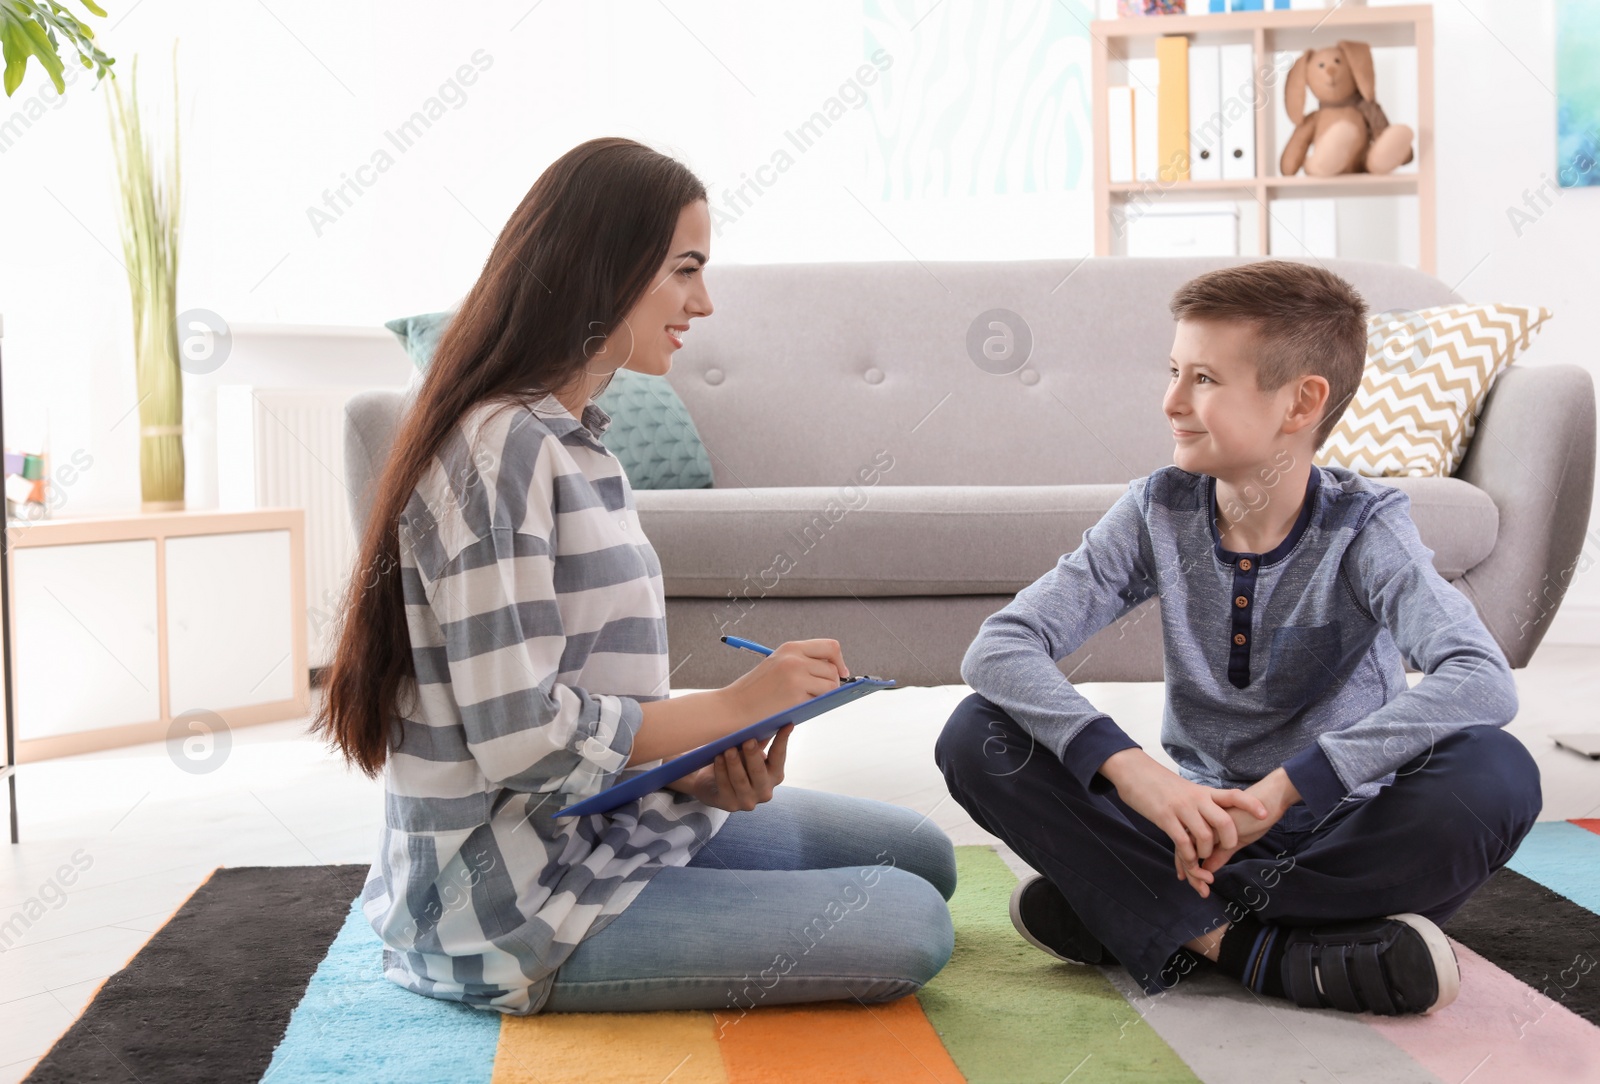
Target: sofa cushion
651, 433
419, 335
1428, 375
888, 540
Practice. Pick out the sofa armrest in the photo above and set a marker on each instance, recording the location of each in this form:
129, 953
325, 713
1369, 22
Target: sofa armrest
1534, 454
371, 420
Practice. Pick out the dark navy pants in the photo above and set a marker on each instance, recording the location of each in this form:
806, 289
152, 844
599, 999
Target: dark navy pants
1423, 844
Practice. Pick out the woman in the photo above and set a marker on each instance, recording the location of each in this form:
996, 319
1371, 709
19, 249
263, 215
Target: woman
504, 653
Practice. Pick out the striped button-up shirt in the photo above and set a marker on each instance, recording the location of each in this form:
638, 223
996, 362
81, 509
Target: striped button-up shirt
537, 620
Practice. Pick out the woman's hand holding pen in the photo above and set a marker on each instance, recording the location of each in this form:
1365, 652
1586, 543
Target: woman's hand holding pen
795, 672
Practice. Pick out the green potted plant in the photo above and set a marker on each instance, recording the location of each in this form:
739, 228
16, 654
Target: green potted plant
150, 217
151, 211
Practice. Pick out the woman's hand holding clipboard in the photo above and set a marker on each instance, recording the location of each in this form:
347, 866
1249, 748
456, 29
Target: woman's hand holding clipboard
740, 778
743, 777
735, 772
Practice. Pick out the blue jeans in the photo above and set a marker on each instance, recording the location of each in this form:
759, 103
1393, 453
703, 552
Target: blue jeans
808, 897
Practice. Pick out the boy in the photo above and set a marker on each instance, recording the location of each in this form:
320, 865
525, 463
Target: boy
1327, 818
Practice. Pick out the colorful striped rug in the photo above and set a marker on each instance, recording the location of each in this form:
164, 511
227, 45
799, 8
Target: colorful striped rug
271, 974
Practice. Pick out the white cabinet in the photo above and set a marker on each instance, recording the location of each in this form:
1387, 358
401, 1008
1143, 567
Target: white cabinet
228, 614
86, 646
121, 626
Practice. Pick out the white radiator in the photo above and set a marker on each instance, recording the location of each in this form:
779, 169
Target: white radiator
284, 448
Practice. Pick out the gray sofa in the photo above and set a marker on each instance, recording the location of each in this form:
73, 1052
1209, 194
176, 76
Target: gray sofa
874, 484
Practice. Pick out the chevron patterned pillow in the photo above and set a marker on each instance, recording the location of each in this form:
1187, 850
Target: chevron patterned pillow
1428, 373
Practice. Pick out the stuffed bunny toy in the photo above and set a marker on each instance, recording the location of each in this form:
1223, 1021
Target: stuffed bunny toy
1349, 134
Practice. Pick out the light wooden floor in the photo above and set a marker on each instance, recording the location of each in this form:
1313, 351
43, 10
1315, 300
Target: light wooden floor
149, 832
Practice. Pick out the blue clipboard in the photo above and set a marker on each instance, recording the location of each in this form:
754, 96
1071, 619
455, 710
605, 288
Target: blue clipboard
695, 759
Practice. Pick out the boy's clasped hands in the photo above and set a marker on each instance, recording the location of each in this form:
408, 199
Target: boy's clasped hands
1208, 825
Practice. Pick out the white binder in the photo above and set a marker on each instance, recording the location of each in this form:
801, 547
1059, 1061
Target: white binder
1144, 75
1119, 125
1238, 116
1205, 125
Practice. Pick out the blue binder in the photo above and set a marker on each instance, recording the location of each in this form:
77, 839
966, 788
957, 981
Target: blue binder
695, 759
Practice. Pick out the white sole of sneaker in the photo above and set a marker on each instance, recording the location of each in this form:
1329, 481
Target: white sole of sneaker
1016, 921
1445, 964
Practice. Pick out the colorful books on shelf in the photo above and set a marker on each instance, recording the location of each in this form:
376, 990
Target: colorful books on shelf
1215, 6
1126, 8
24, 484
1187, 114
1274, 5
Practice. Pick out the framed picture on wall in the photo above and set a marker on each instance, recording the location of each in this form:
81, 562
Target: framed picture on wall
1577, 93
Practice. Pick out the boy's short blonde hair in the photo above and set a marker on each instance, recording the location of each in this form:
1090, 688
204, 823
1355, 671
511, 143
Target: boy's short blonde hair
1308, 322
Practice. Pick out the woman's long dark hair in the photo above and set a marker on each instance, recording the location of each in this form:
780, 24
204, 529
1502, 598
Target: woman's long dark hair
580, 250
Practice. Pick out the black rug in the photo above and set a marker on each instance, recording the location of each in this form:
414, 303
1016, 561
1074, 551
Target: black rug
209, 996
1536, 935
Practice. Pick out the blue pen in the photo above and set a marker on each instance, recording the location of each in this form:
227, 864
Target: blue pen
748, 645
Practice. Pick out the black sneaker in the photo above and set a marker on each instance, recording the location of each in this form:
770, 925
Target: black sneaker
1391, 966
1047, 921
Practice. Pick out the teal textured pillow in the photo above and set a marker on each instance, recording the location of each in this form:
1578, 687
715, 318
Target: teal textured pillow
651, 433
419, 335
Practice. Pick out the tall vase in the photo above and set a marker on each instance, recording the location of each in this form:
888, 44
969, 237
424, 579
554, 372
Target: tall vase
151, 206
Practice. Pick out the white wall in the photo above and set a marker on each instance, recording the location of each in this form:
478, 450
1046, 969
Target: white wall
1495, 108
973, 145
284, 102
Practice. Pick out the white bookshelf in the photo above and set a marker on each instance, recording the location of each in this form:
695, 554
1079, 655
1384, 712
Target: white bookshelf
1115, 41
